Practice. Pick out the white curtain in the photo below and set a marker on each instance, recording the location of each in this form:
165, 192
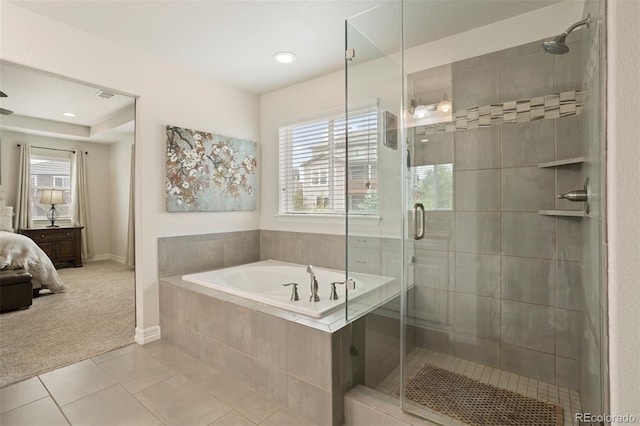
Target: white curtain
23, 207
80, 215
130, 260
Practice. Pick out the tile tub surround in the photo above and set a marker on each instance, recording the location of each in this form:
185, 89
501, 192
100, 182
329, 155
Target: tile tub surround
277, 355
325, 251
195, 253
187, 254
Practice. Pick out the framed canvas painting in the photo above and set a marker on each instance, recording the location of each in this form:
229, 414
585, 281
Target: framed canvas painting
208, 172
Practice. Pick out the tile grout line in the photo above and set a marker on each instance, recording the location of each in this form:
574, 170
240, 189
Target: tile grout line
54, 401
30, 402
117, 383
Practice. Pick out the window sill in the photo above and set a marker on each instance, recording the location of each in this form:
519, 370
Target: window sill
319, 218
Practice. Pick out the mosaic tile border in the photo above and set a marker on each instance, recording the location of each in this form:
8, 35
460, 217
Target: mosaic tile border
546, 107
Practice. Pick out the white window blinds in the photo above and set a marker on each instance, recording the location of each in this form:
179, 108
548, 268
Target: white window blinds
313, 165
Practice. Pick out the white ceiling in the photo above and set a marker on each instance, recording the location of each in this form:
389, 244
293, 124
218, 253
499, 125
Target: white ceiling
230, 40
233, 40
37, 94
38, 101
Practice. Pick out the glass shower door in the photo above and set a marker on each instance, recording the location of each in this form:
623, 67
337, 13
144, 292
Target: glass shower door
487, 286
374, 153
506, 298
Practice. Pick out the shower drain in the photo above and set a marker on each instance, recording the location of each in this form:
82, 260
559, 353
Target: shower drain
477, 403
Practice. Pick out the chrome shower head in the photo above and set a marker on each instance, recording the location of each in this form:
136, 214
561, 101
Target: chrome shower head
558, 45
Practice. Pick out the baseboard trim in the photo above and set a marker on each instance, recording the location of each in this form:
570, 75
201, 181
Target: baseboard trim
147, 335
98, 257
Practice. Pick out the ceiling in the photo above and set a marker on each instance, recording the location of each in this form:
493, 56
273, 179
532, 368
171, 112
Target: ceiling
232, 41
38, 101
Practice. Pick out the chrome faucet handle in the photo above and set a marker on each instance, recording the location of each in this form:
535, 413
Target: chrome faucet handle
334, 293
294, 291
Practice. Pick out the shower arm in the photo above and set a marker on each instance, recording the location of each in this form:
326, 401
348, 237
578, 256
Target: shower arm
585, 21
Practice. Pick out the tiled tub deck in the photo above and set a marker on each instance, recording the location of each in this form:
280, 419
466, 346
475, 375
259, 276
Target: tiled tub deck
301, 364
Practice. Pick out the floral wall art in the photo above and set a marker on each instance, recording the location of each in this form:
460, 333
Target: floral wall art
209, 172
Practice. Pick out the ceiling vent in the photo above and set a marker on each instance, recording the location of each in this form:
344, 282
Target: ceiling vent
104, 94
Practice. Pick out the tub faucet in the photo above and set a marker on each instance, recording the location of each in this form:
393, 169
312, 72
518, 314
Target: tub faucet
314, 285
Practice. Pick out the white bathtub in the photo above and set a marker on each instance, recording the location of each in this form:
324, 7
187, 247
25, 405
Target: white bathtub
262, 282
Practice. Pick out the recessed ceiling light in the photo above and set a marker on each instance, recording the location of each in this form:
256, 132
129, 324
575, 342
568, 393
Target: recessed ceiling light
284, 57
68, 114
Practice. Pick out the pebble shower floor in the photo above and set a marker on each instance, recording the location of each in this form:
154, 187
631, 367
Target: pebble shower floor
569, 400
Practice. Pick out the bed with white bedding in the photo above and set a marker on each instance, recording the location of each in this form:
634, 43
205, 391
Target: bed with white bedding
18, 251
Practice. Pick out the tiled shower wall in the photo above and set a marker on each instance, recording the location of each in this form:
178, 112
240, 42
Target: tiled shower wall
498, 283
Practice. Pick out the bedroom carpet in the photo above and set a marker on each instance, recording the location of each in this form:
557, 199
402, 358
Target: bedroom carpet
95, 315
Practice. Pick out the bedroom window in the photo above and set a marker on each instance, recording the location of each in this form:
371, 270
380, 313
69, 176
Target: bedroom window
313, 165
50, 173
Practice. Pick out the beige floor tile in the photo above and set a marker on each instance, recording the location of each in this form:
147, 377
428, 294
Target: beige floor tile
136, 370
21, 393
179, 362
233, 418
225, 388
42, 412
177, 401
116, 352
285, 417
76, 381
255, 408
113, 406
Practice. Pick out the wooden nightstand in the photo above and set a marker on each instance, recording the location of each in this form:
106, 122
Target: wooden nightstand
62, 245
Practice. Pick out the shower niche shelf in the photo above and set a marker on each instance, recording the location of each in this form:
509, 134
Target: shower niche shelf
558, 163
565, 213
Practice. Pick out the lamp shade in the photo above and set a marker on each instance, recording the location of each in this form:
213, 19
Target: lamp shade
52, 196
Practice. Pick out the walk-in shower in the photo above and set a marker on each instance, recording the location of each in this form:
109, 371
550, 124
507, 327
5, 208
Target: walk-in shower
501, 281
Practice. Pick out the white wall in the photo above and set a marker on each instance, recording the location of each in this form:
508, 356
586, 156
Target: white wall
623, 204
168, 94
97, 173
311, 97
119, 188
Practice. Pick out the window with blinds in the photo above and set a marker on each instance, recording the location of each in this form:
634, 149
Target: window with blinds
314, 167
50, 173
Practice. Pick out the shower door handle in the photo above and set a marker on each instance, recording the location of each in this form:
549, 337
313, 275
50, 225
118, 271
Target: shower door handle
418, 216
